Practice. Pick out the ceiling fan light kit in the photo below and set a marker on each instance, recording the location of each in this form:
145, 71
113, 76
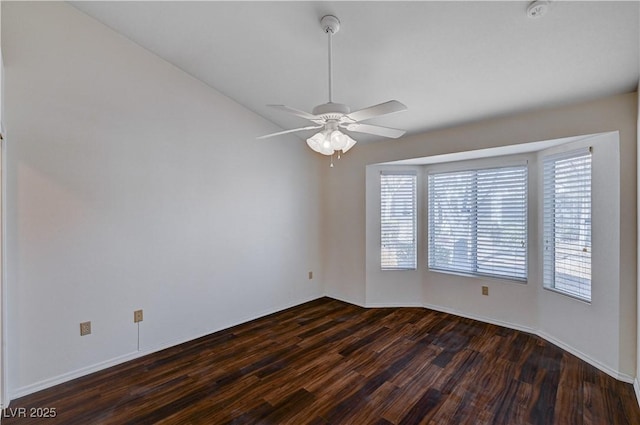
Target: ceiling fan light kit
333, 118
327, 142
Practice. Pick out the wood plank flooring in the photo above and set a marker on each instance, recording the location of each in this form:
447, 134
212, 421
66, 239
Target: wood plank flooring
328, 362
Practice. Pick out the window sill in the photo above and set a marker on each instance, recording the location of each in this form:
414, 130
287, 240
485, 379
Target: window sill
399, 270
567, 294
482, 276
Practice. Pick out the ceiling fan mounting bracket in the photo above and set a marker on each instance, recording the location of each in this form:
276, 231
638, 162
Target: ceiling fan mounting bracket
330, 24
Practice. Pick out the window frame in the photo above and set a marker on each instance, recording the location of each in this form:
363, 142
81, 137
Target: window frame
474, 166
416, 218
564, 154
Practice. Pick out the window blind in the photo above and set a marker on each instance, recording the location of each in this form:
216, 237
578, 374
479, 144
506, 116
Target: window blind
478, 221
398, 221
567, 223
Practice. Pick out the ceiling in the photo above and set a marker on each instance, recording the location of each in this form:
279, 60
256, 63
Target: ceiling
449, 62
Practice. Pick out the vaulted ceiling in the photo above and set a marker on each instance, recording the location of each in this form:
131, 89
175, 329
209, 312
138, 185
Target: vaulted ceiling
449, 62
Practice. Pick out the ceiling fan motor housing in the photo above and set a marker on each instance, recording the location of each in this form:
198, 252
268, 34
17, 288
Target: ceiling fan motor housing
331, 110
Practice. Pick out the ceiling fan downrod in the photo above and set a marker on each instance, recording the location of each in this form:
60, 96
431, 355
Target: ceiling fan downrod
330, 25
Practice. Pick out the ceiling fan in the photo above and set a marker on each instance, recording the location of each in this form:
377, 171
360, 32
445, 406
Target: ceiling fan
330, 118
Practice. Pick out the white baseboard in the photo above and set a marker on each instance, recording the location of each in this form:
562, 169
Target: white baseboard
65, 377
344, 300
582, 356
481, 318
392, 305
579, 354
50, 382
374, 305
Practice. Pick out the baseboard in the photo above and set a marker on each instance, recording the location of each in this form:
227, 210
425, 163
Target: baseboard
480, 318
579, 354
582, 356
56, 380
50, 382
344, 300
78, 373
374, 305
392, 305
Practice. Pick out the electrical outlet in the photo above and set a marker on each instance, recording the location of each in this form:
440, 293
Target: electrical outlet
137, 316
310, 275
85, 328
485, 290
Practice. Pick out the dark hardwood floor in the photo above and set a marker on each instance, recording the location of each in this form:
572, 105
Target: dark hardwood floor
328, 362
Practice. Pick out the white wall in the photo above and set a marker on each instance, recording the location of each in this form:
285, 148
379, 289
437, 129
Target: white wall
407, 288
592, 330
1, 78
133, 185
508, 303
636, 383
2, 300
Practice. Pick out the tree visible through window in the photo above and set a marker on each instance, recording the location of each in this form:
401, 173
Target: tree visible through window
478, 222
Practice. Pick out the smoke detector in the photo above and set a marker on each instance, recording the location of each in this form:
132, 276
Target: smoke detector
537, 9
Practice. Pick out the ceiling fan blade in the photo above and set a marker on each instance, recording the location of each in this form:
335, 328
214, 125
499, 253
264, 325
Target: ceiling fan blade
392, 133
311, 127
297, 112
377, 110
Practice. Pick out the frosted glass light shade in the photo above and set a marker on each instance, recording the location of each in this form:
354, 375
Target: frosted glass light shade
326, 148
315, 142
349, 144
326, 142
338, 140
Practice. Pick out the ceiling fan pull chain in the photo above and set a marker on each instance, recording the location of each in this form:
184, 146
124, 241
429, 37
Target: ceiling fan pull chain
331, 165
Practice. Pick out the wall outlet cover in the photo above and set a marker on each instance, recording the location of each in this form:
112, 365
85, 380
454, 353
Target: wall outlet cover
137, 316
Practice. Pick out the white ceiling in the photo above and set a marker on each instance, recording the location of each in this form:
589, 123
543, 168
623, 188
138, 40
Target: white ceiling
449, 62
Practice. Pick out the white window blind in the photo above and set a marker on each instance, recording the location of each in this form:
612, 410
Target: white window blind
398, 220
478, 222
567, 223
